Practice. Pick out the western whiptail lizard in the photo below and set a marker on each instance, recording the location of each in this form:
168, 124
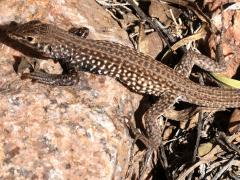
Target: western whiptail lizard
139, 72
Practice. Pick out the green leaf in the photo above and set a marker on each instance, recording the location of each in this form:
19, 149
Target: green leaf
227, 81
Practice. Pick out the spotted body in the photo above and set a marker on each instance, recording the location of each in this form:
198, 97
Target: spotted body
139, 72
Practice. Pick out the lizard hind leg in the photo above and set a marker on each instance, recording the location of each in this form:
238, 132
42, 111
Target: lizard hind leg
191, 58
153, 138
154, 129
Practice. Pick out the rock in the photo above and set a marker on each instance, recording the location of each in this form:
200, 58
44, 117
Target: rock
63, 132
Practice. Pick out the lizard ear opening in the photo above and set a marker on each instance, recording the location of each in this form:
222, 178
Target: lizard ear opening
47, 49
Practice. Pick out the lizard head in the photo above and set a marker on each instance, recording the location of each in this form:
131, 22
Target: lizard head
33, 35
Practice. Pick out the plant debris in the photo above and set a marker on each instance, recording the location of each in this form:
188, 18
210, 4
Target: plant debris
198, 145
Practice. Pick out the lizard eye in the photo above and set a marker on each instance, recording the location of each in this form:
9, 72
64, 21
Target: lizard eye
30, 39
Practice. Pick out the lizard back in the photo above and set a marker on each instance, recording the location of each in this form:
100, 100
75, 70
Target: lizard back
136, 70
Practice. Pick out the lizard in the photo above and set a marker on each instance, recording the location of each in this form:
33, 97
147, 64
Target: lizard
139, 72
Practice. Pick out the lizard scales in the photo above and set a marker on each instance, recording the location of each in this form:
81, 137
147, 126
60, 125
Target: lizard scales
136, 70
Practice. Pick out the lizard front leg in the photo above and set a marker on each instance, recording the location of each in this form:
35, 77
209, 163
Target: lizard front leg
68, 79
81, 32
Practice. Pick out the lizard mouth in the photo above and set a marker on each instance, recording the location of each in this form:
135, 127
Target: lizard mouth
22, 32
31, 42
27, 41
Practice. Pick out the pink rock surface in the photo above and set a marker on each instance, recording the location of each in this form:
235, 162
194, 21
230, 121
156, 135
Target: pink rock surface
231, 38
63, 132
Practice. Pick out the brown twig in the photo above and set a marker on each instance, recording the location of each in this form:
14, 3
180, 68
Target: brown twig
162, 32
